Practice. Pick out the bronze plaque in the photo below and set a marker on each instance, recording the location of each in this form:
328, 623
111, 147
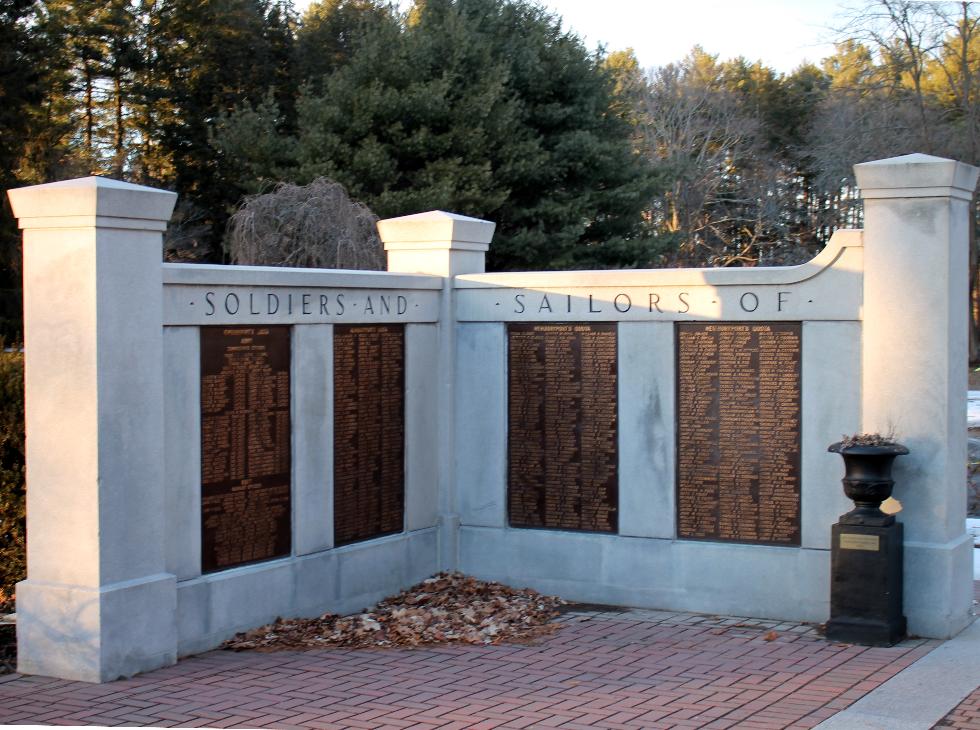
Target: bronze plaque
738, 432
369, 431
852, 541
245, 452
562, 426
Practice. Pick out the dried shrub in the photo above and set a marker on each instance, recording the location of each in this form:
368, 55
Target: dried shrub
868, 439
315, 225
447, 608
186, 240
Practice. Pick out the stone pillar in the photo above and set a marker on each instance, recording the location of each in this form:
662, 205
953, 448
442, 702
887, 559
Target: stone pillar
914, 380
446, 245
97, 603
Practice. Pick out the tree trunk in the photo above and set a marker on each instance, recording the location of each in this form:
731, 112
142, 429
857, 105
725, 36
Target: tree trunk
120, 131
89, 110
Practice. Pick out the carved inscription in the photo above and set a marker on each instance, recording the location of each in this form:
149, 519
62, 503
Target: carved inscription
562, 426
245, 452
369, 431
738, 432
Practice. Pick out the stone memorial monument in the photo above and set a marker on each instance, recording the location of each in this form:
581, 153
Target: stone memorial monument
210, 447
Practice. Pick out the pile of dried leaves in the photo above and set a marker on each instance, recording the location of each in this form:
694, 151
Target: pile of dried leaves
447, 608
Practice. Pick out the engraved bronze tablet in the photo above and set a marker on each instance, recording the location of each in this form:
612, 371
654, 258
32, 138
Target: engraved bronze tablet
369, 431
738, 432
245, 446
562, 426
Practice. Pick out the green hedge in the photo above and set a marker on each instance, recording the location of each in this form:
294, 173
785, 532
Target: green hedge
13, 529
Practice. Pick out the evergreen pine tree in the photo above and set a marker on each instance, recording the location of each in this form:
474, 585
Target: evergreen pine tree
212, 56
484, 107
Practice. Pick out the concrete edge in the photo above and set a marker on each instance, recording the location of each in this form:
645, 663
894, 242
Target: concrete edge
938, 682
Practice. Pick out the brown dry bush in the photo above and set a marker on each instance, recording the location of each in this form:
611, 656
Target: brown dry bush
315, 225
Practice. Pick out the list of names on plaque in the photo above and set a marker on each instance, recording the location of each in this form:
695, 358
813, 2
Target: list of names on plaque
562, 426
245, 447
369, 431
738, 432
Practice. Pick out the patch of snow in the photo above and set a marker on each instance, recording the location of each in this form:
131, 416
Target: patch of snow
973, 408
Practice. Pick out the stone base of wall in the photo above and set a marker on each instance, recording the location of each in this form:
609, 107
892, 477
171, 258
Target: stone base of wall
748, 580
344, 580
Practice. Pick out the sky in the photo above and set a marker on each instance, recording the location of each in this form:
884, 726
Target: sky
781, 33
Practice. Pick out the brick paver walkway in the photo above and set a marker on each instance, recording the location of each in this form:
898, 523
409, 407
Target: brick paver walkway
966, 716
630, 669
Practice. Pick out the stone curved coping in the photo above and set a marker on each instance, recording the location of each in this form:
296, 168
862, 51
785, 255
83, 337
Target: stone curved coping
269, 276
756, 276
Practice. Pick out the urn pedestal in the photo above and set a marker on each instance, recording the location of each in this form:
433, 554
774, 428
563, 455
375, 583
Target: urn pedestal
866, 553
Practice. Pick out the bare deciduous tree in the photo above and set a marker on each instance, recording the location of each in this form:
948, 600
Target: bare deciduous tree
924, 58
315, 225
691, 132
853, 125
727, 192
905, 36
958, 64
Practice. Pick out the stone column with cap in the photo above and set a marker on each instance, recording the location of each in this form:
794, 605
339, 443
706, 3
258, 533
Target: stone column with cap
447, 245
917, 213
97, 603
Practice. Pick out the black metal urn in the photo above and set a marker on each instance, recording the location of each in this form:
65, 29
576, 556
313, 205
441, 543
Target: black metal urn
868, 480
